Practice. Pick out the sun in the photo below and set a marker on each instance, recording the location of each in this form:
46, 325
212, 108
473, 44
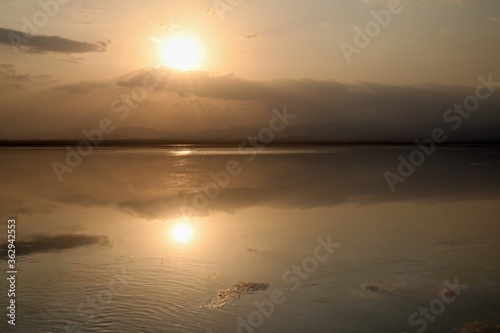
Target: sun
182, 232
182, 52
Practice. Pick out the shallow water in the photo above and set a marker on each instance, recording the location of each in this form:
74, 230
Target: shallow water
95, 254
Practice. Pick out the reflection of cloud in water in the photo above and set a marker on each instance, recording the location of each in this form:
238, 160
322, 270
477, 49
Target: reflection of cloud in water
331, 179
47, 243
153, 185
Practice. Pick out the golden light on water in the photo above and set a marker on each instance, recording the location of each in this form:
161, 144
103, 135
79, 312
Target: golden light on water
182, 152
182, 232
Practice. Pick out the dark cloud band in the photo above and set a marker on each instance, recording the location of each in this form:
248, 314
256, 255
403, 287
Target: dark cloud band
40, 44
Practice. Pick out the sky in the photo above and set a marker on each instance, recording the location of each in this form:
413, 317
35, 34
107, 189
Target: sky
64, 63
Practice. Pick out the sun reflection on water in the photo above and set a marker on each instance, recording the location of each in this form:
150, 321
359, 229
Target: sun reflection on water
182, 232
182, 152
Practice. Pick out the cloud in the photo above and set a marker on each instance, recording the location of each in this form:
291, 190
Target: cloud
229, 108
11, 79
48, 243
329, 110
166, 24
43, 44
9, 70
199, 83
494, 19
207, 10
83, 87
80, 13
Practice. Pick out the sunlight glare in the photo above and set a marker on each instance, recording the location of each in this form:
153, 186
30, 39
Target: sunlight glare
181, 52
182, 232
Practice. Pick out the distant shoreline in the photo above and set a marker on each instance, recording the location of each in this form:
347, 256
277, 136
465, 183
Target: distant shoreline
225, 144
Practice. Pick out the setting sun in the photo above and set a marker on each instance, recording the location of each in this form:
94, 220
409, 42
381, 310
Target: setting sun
181, 52
182, 232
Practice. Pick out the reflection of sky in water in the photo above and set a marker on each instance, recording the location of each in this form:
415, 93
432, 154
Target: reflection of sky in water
116, 212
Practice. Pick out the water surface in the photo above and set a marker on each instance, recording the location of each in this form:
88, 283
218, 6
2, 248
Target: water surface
106, 227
